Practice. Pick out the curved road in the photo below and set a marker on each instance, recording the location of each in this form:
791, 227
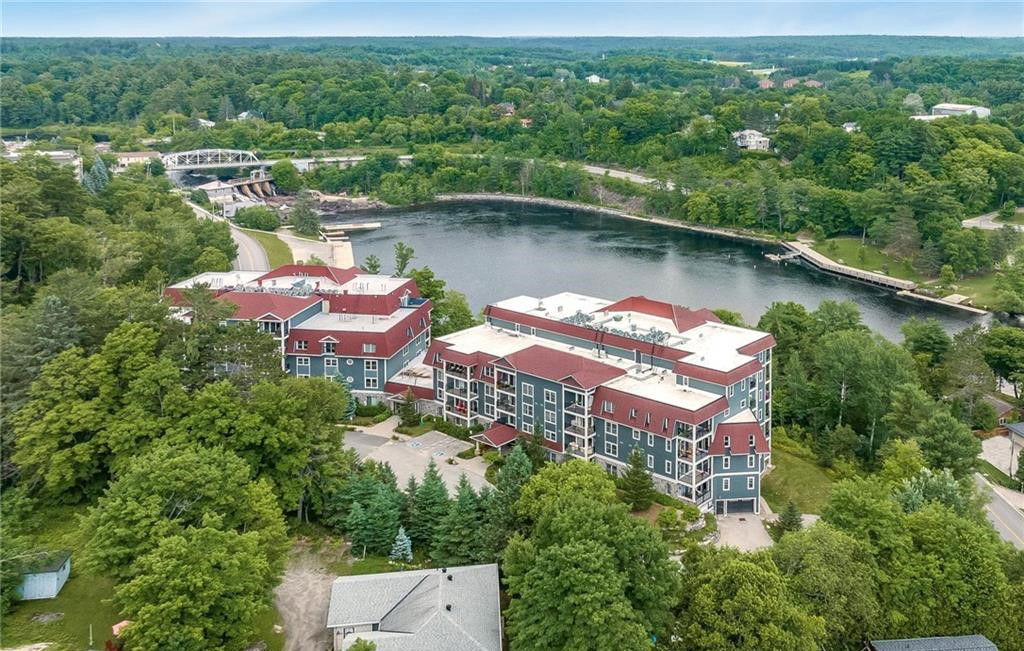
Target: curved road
251, 256
988, 222
1007, 521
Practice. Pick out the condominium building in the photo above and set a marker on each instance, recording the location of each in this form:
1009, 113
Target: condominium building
751, 139
597, 378
365, 329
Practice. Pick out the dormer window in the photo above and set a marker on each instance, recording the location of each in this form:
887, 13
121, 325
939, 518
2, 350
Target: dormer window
607, 407
632, 412
664, 425
751, 440
301, 344
726, 442
329, 347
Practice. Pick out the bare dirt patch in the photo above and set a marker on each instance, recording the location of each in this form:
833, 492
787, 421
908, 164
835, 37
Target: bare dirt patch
304, 593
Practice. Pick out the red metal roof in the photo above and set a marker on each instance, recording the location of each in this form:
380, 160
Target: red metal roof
683, 317
739, 439
558, 366
722, 378
254, 305
498, 434
754, 347
394, 387
554, 445
623, 403
337, 274
350, 343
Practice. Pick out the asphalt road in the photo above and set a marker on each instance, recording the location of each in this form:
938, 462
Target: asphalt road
1007, 521
251, 256
988, 222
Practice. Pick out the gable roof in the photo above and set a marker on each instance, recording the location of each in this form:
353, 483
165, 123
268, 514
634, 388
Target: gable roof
952, 643
497, 435
337, 274
411, 609
255, 305
739, 429
682, 317
558, 366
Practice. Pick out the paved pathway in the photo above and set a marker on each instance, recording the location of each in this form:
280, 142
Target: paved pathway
988, 222
1007, 520
251, 256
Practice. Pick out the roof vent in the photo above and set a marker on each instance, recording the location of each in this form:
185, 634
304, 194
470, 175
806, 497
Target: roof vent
449, 577
448, 607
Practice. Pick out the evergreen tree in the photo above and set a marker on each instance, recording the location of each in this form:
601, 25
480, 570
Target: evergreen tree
363, 645
401, 550
304, 217
636, 484
357, 524
1020, 468
429, 507
350, 402
457, 537
790, 519
99, 173
407, 410
500, 519
408, 513
384, 513
371, 264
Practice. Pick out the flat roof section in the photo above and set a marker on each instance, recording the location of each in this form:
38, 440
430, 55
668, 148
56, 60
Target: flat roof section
346, 322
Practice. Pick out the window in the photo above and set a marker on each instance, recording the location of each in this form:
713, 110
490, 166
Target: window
370, 382
750, 441
730, 390
725, 441
408, 331
743, 403
369, 348
650, 440
488, 371
331, 366
611, 449
684, 381
439, 392
750, 483
636, 435
668, 445
726, 484
437, 358
489, 390
489, 410
550, 435
350, 361
301, 344
750, 461
607, 407
527, 390
664, 425
423, 322
527, 410
610, 428
650, 461
302, 362
668, 468
549, 396
549, 416
632, 413
329, 347
743, 385
370, 365
726, 462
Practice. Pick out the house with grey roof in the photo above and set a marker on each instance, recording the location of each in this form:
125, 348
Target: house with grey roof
951, 643
454, 608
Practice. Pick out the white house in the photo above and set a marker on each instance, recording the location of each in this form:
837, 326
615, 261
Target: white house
126, 158
947, 108
851, 127
594, 79
751, 139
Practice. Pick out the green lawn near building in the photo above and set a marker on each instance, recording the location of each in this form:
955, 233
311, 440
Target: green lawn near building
278, 253
850, 251
796, 478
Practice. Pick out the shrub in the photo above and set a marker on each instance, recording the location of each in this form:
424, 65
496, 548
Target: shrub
258, 217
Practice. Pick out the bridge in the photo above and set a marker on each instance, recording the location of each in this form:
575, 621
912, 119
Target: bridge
211, 159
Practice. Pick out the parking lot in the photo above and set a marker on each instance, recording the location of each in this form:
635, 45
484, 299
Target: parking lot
410, 456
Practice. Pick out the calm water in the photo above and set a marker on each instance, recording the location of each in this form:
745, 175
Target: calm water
491, 251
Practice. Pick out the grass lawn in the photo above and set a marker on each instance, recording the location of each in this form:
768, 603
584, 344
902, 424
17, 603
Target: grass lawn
415, 430
1018, 218
981, 289
265, 629
278, 253
796, 478
846, 250
84, 600
997, 476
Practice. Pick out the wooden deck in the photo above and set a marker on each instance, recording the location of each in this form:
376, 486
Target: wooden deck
827, 264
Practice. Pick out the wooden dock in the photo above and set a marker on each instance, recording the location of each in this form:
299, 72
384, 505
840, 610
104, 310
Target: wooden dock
341, 229
816, 259
940, 301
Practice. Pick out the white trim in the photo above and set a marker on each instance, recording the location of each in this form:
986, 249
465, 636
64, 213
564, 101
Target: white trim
726, 484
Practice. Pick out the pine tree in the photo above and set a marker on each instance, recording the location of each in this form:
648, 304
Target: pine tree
408, 513
384, 514
429, 507
1020, 468
790, 518
457, 537
500, 520
402, 549
350, 402
357, 525
407, 410
100, 177
636, 484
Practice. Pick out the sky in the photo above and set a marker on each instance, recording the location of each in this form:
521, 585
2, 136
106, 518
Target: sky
507, 18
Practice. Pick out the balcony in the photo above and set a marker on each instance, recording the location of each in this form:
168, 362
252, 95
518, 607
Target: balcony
460, 390
506, 384
692, 454
506, 405
578, 408
578, 429
695, 479
455, 369
579, 450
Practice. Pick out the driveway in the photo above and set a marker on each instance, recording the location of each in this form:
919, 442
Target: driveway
745, 532
409, 456
1001, 453
989, 222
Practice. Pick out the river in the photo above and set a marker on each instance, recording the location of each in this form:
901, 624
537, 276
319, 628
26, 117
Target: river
495, 250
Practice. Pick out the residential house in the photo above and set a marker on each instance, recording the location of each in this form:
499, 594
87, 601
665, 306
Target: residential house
205, 124
597, 378
851, 127
505, 109
331, 322
952, 643
751, 139
790, 83
594, 79
126, 158
1005, 412
454, 608
813, 83
526, 123
765, 84
948, 108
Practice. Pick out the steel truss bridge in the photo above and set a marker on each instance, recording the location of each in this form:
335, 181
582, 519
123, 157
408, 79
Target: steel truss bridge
209, 159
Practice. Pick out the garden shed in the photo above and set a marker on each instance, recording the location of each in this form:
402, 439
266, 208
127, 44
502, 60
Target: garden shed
44, 575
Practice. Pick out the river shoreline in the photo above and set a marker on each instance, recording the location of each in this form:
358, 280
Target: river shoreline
897, 287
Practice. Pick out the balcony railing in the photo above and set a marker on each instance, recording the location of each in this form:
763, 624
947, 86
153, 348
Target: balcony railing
582, 451
692, 453
577, 429
695, 479
578, 408
506, 405
507, 387
455, 369
460, 390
